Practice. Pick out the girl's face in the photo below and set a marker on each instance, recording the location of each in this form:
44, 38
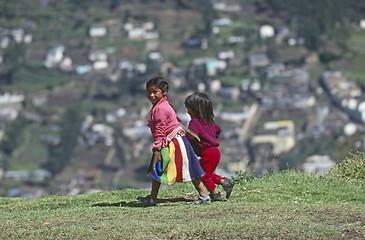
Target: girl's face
192, 113
154, 94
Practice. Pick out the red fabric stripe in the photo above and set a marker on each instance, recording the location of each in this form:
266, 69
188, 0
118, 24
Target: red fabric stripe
178, 160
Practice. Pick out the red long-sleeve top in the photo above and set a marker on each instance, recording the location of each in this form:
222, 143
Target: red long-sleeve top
207, 132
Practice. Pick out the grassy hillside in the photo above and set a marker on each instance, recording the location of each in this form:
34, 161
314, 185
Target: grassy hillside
290, 205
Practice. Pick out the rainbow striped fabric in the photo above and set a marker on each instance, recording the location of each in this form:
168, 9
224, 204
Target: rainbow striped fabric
178, 164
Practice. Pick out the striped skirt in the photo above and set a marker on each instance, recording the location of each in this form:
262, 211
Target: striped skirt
178, 163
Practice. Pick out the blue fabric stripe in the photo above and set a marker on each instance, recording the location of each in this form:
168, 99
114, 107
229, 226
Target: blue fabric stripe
195, 169
157, 171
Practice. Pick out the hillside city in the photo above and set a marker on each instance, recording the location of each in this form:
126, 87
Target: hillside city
73, 113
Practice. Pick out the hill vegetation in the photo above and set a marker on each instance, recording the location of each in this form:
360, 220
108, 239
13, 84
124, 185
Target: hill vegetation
289, 205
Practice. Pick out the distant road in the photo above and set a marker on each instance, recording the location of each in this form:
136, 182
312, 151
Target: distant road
253, 115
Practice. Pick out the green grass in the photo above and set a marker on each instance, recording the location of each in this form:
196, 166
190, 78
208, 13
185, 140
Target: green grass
290, 205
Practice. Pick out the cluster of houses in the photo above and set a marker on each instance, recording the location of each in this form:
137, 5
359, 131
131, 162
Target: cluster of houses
10, 105
345, 94
98, 58
93, 132
18, 35
226, 6
135, 31
284, 89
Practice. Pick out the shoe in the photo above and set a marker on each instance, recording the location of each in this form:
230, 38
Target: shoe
215, 196
144, 201
202, 200
228, 186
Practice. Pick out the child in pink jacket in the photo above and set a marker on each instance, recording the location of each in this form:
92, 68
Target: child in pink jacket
173, 159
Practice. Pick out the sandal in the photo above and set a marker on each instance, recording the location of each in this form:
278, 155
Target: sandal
147, 201
228, 186
202, 200
215, 196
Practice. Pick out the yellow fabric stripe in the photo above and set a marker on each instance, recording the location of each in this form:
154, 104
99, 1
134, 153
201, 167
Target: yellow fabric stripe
171, 168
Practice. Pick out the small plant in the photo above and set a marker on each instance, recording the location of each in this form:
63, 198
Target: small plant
269, 172
242, 176
351, 168
245, 176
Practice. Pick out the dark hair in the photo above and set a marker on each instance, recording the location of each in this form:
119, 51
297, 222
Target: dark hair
201, 104
158, 82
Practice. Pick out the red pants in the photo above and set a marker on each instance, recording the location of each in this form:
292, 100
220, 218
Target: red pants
209, 161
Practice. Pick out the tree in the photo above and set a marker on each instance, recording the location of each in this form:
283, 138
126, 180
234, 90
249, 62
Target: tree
13, 60
206, 9
196, 74
315, 19
60, 155
13, 135
120, 140
311, 33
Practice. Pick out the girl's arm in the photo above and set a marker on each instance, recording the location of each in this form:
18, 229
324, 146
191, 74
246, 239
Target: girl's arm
156, 156
160, 118
218, 131
194, 128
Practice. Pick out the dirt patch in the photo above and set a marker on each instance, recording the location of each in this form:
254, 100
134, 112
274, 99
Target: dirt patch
65, 95
172, 20
171, 49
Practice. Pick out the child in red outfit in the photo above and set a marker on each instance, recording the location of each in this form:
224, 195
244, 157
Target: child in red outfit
206, 143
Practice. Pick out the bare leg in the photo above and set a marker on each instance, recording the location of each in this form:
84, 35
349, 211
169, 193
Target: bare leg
154, 191
215, 191
200, 187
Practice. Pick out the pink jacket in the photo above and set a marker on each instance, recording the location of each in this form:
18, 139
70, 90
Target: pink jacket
163, 123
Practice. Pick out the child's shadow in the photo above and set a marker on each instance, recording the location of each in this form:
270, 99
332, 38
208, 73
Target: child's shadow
168, 201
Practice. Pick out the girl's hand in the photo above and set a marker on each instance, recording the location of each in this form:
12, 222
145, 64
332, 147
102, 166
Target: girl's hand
155, 158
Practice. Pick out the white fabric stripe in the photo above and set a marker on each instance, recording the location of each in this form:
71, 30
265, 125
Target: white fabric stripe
185, 161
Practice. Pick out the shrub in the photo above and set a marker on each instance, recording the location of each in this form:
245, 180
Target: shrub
352, 168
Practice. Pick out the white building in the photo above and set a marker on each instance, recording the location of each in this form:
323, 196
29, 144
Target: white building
18, 34
136, 33
28, 38
97, 55
350, 129
362, 23
4, 42
66, 64
260, 60
8, 114
54, 56
266, 31
155, 56
97, 31
8, 98
151, 35
225, 55
100, 65
213, 65
221, 22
